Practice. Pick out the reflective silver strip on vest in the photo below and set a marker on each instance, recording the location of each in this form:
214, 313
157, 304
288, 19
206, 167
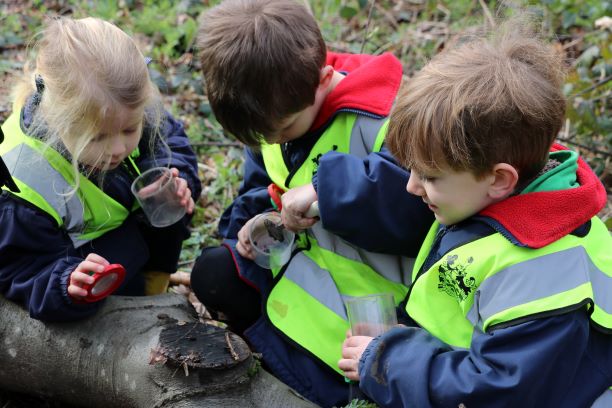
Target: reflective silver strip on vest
537, 279
393, 267
50, 184
364, 134
604, 400
317, 282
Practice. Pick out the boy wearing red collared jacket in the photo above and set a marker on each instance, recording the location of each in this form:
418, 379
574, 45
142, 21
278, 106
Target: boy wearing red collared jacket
511, 299
315, 123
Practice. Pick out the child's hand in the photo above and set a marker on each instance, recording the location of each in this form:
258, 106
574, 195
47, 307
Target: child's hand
183, 191
81, 275
295, 204
352, 349
244, 247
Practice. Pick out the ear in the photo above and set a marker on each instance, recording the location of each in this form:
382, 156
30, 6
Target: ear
325, 78
505, 178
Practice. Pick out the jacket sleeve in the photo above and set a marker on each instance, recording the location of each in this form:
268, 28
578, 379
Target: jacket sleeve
181, 154
410, 367
36, 260
364, 200
252, 199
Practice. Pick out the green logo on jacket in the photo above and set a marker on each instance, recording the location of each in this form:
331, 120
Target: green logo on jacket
453, 279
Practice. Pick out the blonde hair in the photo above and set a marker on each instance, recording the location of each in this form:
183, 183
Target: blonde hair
487, 101
89, 68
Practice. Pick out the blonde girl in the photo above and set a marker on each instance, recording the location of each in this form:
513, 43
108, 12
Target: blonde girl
86, 121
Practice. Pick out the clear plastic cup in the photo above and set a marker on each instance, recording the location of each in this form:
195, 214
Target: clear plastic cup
271, 241
155, 190
371, 315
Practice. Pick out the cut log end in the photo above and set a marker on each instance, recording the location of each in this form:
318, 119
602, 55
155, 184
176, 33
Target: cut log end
198, 345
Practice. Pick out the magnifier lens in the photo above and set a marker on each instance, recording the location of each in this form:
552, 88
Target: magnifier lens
103, 284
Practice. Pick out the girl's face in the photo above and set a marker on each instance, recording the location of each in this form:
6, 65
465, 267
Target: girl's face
116, 139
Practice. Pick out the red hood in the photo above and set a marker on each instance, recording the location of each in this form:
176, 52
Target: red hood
540, 218
371, 85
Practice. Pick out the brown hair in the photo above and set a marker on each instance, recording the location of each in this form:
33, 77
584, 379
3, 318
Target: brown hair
261, 61
490, 100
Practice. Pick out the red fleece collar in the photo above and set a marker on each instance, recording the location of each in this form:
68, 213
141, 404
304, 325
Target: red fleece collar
540, 218
371, 85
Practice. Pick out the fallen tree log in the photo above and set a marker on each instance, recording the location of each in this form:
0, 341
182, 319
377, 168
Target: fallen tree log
135, 352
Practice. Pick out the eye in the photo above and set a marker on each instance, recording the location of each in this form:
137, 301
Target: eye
427, 179
98, 138
289, 126
422, 177
129, 131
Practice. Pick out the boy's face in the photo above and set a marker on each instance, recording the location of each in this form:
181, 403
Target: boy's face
452, 196
297, 124
293, 126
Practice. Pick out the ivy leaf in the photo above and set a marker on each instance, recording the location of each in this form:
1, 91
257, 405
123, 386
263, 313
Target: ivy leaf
348, 12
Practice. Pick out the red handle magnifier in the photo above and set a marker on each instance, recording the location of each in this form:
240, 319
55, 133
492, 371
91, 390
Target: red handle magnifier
105, 283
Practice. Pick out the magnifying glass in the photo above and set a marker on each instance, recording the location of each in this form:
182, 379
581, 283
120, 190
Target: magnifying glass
105, 283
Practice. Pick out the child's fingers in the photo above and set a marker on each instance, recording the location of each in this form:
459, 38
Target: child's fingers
297, 223
190, 206
89, 267
350, 368
181, 186
146, 191
245, 250
80, 277
76, 291
184, 193
95, 258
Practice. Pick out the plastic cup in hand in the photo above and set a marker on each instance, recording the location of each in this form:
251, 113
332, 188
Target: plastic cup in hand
271, 241
370, 315
155, 190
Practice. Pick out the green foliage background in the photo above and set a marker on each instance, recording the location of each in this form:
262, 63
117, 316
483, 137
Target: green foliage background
414, 30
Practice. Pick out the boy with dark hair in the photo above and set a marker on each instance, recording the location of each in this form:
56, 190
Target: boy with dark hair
513, 285
317, 121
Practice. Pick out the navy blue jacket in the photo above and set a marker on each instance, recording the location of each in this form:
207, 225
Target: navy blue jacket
362, 200
37, 257
558, 361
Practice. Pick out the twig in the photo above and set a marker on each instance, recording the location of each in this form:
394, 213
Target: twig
186, 334
582, 146
231, 348
567, 128
595, 85
187, 262
365, 34
571, 43
487, 13
206, 167
390, 18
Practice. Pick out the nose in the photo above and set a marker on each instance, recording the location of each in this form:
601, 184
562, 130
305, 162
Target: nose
117, 147
414, 185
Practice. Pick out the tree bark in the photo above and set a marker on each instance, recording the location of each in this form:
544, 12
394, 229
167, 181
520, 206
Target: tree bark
135, 352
